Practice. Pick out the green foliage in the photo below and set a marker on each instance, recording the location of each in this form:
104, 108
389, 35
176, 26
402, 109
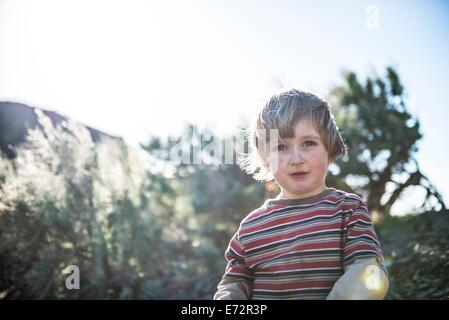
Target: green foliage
66, 201
416, 250
133, 233
158, 229
210, 201
382, 137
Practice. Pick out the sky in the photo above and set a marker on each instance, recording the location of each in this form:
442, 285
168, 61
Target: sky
141, 68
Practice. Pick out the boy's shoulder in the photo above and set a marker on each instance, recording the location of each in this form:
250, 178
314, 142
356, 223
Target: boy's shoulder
259, 213
347, 200
338, 198
350, 198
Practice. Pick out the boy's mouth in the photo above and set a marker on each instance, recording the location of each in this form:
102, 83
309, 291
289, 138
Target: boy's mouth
298, 174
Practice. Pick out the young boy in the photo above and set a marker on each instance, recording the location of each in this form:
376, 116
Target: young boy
311, 241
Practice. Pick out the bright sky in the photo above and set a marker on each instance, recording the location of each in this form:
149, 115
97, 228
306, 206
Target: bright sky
135, 68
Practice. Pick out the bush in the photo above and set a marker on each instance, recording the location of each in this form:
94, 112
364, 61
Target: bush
416, 250
67, 201
135, 234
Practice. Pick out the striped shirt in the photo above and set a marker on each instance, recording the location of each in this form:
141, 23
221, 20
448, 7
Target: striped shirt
299, 248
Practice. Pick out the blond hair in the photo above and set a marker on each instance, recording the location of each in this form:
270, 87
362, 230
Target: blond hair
281, 113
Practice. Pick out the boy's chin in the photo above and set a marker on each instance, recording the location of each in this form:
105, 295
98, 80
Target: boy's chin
297, 192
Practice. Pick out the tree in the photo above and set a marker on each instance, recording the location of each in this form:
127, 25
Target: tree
214, 195
219, 194
67, 201
382, 139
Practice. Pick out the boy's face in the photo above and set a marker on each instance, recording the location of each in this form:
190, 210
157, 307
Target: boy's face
302, 162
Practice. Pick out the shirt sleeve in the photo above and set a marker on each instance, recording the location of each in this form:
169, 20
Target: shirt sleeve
237, 273
232, 289
362, 280
361, 239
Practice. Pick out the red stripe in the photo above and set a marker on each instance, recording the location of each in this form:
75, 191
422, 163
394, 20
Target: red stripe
298, 248
282, 220
306, 265
293, 285
365, 232
268, 240
361, 247
258, 213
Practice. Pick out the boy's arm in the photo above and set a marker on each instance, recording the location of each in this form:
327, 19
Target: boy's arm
237, 281
363, 280
233, 289
365, 273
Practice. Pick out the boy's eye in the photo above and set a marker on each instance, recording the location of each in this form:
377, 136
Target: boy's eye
281, 147
309, 143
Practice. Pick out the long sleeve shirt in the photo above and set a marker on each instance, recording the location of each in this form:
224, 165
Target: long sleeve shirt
322, 247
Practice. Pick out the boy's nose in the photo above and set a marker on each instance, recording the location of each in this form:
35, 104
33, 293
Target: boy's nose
296, 158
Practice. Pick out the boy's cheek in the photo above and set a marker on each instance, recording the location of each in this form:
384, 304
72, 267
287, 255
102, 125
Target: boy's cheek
319, 159
278, 167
